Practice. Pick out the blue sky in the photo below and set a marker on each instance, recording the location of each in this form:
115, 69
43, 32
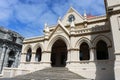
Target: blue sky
27, 17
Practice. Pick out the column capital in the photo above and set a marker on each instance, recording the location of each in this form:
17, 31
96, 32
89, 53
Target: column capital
4, 46
46, 52
73, 49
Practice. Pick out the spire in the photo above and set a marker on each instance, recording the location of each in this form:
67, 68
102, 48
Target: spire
46, 28
85, 16
85, 19
45, 25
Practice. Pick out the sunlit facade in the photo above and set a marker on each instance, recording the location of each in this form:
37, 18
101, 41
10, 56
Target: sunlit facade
86, 45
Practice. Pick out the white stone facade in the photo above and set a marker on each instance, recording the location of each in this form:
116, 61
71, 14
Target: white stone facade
88, 46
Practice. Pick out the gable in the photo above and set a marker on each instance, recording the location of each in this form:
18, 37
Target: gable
78, 17
60, 29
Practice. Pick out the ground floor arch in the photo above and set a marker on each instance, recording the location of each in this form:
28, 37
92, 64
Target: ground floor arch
102, 50
38, 54
84, 51
59, 54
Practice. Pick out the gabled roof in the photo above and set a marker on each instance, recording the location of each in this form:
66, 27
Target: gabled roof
71, 9
78, 17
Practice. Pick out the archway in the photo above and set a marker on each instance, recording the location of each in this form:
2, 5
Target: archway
28, 55
11, 58
59, 54
102, 50
84, 51
38, 55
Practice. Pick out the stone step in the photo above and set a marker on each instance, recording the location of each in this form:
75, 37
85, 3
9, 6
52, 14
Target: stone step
55, 73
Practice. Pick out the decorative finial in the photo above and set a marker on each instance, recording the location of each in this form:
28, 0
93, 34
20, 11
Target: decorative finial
85, 15
46, 28
45, 25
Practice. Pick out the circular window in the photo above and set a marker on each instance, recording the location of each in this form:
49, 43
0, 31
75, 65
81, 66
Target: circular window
71, 18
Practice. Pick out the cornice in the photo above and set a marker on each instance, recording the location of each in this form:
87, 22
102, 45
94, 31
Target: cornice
72, 35
5, 41
113, 12
73, 49
90, 31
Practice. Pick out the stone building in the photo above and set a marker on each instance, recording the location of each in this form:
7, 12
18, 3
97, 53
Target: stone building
86, 45
10, 48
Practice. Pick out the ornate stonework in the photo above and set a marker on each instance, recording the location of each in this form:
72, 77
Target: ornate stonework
10, 48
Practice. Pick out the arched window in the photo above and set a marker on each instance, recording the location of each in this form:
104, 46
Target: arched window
28, 55
38, 55
101, 50
84, 51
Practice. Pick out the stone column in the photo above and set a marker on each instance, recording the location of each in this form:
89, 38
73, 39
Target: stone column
33, 57
95, 53
45, 59
6, 57
92, 56
73, 58
74, 55
111, 56
16, 62
68, 56
2, 57
19, 58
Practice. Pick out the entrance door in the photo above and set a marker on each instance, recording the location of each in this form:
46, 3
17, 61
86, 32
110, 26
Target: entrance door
59, 54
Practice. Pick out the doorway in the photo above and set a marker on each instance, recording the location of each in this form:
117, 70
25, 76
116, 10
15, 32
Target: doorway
59, 54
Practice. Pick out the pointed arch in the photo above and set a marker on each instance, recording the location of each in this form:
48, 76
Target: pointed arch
81, 40
26, 48
38, 54
57, 38
102, 50
28, 55
37, 46
59, 54
37, 49
104, 38
84, 52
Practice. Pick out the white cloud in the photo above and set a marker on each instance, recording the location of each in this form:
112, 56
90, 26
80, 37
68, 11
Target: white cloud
28, 16
48, 17
27, 13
